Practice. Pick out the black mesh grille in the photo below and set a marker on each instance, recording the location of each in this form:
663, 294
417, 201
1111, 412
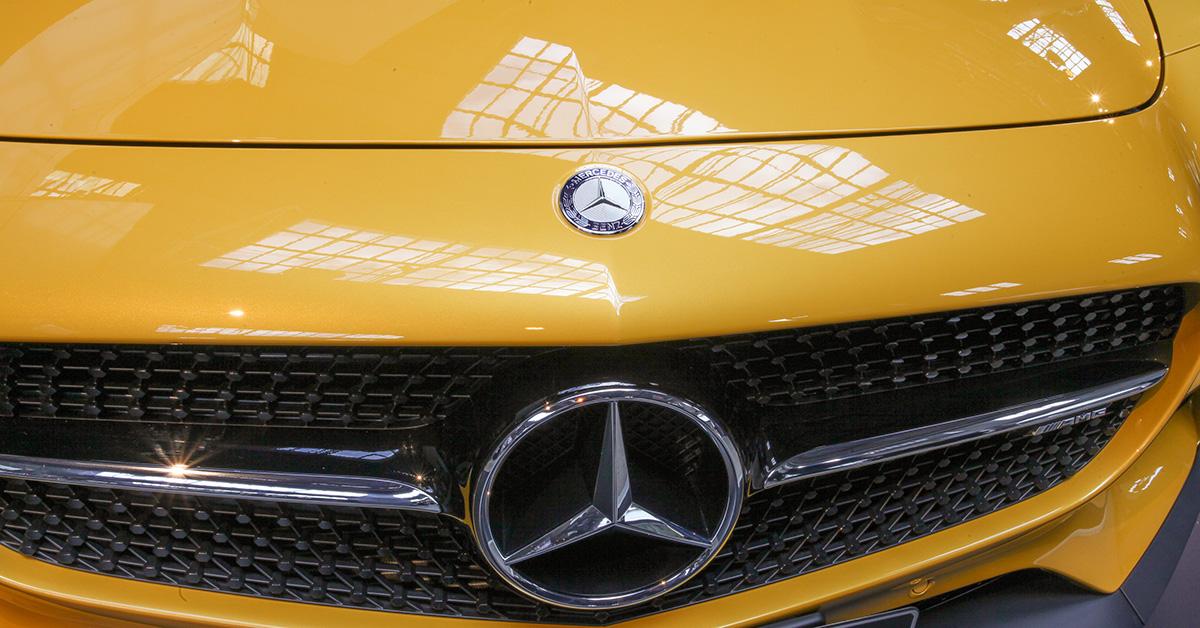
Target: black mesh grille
821, 363
426, 564
330, 387
402, 387
804, 526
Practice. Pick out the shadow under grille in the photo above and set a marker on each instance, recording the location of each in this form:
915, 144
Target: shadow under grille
415, 563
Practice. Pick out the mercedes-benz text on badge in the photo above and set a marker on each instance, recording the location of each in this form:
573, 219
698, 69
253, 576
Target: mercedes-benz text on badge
602, 200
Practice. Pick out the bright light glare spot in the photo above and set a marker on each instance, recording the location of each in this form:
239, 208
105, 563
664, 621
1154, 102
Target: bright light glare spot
177, 469
237, 313
1095, 97
535, 328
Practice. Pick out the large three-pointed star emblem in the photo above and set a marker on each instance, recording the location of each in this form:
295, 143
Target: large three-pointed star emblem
612, 505
607, 495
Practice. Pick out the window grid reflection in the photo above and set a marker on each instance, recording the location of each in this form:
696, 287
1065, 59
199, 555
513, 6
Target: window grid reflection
1117, 20
1052, 46
538, 90
812, 197
268, 333
1135, 259
980, 289
369, 256
61, 184
247, 57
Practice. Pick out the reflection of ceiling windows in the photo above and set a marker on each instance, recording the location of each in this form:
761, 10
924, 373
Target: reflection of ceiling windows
95, 222
988, 288
1052, 46
268, 333
368, 256
538, 90
247, 57
1134, 259
60, 184
88, 209
812, 197
532, 92
1114, 16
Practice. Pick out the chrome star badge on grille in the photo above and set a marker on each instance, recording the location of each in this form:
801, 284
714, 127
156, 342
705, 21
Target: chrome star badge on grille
602, 200
606, 497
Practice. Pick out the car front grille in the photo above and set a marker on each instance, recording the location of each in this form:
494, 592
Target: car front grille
352, 403
824, 363
276, 386
426, 564
403, 387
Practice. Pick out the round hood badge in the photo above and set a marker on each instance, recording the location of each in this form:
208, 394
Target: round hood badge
607, 496
602, 200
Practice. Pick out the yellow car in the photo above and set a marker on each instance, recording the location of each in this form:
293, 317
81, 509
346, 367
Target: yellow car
670, 313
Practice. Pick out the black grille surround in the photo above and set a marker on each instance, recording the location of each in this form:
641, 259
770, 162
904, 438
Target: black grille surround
426, 564
403, 387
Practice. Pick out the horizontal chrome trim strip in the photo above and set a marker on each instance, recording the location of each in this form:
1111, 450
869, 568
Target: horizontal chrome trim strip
1042, 413
332, 490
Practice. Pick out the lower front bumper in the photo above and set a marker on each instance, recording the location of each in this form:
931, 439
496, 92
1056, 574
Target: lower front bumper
1159, 591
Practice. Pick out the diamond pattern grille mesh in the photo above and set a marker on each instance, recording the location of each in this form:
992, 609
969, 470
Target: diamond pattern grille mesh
821, 363
408, 386
287, 386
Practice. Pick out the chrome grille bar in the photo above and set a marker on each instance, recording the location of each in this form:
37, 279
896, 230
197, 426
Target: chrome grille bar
1037, 416
310, 488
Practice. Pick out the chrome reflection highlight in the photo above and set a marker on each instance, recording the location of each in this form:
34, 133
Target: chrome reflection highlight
615, 504
1038, 416
179, 478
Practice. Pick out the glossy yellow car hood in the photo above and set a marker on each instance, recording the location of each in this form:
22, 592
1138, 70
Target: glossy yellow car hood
465, 246
488, 71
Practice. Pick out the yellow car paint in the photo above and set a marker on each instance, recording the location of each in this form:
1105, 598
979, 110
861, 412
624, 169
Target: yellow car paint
435, 71
1178, 24
151, 244
461, 245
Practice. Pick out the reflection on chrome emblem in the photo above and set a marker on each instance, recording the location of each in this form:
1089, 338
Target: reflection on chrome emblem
602, 200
